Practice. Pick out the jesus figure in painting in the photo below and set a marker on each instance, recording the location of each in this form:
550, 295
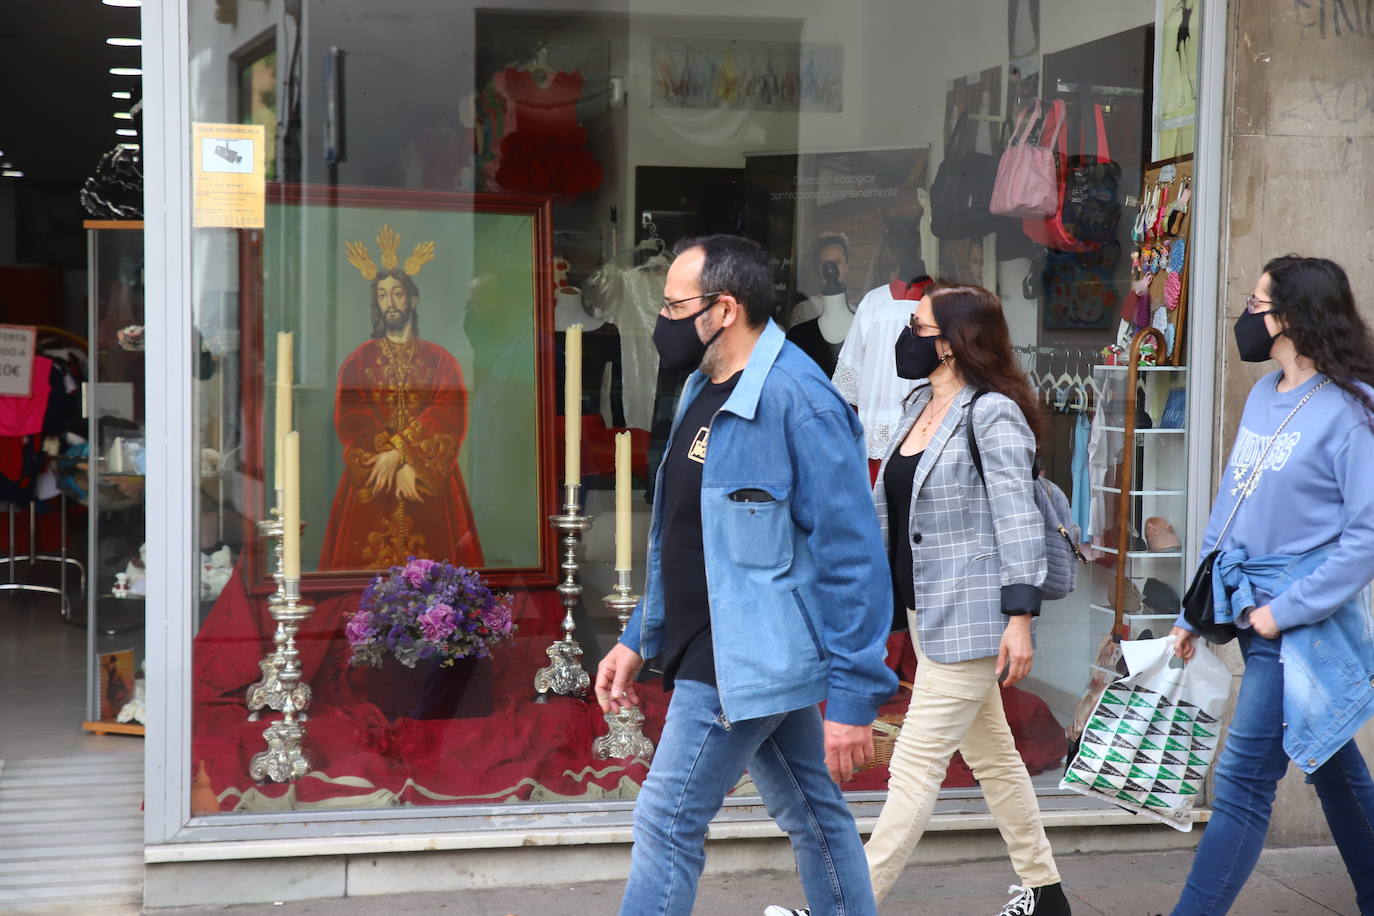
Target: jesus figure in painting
401, 412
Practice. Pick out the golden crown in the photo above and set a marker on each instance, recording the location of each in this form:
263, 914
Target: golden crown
388, 241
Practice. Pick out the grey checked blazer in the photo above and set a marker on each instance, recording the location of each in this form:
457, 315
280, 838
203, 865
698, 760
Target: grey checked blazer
973, 547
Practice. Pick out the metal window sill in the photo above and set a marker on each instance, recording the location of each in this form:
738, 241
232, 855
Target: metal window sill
507, 839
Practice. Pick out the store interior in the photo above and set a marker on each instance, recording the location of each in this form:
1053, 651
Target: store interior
71, 745
792, 125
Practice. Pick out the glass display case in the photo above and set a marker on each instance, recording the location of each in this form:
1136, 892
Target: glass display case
114, 408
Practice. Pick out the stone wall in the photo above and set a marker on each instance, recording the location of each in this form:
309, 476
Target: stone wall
1300, 178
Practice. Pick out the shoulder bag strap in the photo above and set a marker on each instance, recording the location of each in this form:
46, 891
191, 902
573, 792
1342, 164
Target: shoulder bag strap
1253, 480
973, 451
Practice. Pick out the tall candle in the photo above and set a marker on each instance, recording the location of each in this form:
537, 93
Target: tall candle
284, 383
623, 529
291, 508
572, 406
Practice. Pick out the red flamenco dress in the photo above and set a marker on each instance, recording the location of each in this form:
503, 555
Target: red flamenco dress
543, 148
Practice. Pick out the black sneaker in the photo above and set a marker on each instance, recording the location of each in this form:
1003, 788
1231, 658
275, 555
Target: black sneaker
1035, 901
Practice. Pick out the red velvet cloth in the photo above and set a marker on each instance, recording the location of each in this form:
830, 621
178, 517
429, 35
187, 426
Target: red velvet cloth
522, 750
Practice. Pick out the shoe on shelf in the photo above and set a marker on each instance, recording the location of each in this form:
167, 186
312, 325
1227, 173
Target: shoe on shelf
1160, 535
1048, 900
776, 910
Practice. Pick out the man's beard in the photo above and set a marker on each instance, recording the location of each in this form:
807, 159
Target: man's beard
397, 320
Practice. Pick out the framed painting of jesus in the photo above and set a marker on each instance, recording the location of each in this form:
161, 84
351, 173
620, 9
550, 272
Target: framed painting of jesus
423, 377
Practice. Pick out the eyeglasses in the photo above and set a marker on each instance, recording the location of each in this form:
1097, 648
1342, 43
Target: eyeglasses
1251, 303
920, 329
667, 305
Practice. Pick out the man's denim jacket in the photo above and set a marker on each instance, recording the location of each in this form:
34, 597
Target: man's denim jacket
798, 584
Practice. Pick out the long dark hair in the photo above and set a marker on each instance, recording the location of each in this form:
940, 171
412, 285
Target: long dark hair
412, 294
1314, 299
972, 323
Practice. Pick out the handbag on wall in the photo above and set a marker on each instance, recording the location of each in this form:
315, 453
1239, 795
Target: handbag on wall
1027, 184
961, 190
1088, 207
1199, 602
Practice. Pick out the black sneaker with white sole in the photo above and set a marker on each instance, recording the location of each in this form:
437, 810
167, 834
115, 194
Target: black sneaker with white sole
784, 911
1035, 901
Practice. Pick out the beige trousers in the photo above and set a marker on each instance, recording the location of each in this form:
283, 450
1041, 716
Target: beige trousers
957, 707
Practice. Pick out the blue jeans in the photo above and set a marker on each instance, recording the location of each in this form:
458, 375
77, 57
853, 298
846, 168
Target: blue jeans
1248, 770
699, 759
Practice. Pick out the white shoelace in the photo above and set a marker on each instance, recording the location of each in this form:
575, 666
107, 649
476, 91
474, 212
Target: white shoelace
1023, 904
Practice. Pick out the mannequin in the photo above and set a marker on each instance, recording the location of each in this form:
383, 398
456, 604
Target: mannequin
820, 323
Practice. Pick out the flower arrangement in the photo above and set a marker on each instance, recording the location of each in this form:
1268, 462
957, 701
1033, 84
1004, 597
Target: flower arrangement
428, 609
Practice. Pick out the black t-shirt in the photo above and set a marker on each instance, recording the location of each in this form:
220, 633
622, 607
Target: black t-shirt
898, 478
687, 652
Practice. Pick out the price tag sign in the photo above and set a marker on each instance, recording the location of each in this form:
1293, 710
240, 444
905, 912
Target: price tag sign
16, 360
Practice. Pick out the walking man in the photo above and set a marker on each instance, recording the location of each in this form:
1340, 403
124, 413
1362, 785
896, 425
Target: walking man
760, 600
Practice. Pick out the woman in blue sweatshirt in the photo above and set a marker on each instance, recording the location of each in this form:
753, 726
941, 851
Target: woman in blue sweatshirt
1296, 562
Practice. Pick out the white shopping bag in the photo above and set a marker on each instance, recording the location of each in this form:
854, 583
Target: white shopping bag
1153, 734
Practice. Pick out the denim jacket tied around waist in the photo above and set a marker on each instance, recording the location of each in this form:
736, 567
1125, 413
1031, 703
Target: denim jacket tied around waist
1328, 666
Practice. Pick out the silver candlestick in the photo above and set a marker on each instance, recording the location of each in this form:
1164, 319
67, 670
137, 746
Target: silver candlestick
267, 691
564, 674
626, 738
285, 759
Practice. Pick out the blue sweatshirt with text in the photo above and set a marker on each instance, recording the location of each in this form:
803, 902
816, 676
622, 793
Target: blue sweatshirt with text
1317, 488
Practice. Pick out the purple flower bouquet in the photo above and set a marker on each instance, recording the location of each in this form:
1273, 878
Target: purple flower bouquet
428, 610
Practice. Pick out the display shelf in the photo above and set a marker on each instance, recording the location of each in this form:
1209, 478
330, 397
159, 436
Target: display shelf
1142, 368
1142, 554
1129, 617
1117, 490
1143, 432
106, 727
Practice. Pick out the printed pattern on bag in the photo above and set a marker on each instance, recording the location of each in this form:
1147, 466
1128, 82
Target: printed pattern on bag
1146, 753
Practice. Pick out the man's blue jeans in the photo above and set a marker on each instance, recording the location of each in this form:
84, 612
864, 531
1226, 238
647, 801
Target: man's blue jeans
699, 759
1248, 770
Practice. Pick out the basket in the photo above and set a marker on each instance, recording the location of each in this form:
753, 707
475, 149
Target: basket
886, 728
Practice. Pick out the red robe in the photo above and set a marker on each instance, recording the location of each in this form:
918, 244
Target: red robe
409, 397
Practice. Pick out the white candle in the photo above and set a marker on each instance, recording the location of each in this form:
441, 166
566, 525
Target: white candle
572, 406
284, 383
623, 529
291, 508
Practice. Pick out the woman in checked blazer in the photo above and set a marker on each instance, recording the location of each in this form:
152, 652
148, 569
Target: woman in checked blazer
968, 558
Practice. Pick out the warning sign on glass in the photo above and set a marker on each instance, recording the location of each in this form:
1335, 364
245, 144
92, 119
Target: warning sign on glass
16, 360
230, 179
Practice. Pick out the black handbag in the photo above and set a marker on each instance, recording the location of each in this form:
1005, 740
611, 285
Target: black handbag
1199, 603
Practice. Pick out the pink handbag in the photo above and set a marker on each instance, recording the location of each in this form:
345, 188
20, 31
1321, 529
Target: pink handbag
1027, 184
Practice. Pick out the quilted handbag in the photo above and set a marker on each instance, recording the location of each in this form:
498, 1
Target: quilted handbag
1061, 535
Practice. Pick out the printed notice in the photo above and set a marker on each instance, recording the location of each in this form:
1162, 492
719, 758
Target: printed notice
230, 182
16, 360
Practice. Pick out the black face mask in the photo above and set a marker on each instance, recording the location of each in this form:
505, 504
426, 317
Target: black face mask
1253, 339
679, 347
916, 356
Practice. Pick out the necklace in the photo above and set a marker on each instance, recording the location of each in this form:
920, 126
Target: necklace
933, 413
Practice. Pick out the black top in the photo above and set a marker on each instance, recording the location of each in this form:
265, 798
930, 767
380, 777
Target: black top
807, 335
687, 652
898, 478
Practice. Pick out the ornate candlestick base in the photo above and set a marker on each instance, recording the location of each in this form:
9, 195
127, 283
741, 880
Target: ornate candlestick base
267, 691
564, 674
285, 759
626, 738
